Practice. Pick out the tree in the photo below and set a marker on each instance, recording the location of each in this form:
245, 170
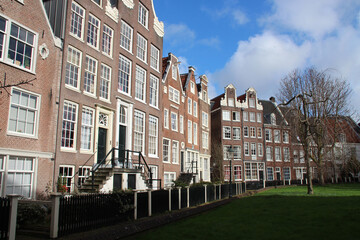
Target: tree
217, 158
4, 85
316, 99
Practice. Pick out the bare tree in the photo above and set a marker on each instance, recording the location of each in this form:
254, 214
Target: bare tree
217, 159
316, 100
5, 85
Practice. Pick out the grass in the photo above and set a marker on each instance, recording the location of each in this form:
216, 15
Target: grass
333, 212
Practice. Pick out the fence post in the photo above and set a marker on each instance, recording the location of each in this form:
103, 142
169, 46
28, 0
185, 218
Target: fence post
13, 215
149, 202
205, 186
55, 209
169, 199
220, 191
135, 205
188, 196
264, 185
179, 189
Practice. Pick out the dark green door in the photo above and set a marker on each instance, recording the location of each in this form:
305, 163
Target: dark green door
117, 182
101, 144
122, 142
131, 181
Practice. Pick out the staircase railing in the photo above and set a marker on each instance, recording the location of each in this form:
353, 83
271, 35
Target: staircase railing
78, 171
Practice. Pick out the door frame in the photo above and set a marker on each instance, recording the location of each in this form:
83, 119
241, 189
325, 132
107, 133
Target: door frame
129, 122
108, 125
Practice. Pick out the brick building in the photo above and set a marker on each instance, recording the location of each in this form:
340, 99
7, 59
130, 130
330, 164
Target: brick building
186, 108
28, 112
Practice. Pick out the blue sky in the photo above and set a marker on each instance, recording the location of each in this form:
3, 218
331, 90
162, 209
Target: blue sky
255, 43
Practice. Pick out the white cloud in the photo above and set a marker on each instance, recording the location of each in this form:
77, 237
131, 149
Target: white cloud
239, 16
211, 42
184, 65
229, 10
179, 34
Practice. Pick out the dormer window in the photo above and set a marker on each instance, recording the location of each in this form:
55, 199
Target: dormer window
273, 119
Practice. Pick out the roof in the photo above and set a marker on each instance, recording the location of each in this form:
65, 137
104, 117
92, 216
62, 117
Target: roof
216, 101
183, 78
242, 97
270, 107
164, 64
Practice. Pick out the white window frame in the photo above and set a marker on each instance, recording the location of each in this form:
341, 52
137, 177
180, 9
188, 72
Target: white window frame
169, 177
252, 102
140, 84
252, 117
126, 37
154, 57
277, 151
181, 119
84, 173
285, 137
74, 122
195, 109
93, 31
90, 72
192, 87
78, 14
139, 136
141, 48
29, 109
174, 72
84, 127
69, 178
238, 135
246, 149
270, 174
238, 168
268, 137
166, 118
226, 115
287, 173
296, 156
105, 82
260, 150
245, 116
70, 64
189, 131
286, 154
154, 91
253, 132
269, 153
164, 155
226, 132
259, 132
237, 152
246, 131
107, 41
253, 149
153, 136
205, 140
277, 136
175, 152
189, 106
174, 95
124, 64
174, 121
205, 119
195, 129
143, 17
236, 116
259, 117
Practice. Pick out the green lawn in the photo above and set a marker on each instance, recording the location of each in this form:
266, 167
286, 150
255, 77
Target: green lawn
283, 213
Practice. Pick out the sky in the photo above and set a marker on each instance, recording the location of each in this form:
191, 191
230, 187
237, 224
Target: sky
256, 43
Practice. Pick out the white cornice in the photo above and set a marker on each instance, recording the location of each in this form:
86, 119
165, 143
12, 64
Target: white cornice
129, 3
26, 153
158, 25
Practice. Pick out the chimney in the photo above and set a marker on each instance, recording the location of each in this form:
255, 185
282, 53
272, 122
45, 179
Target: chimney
191, 69
272, 99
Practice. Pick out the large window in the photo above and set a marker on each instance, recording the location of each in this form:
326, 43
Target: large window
237, 173
277, 136
259, 117
296, 156
253, 132
270, 174
205, 119
181, 124
143, 15
245, 116
268, 135
285, 136
205, 140
259, 132
166, 150
154, 86
195, 109
141, 51
227, 132
195, 134
169, 178
90, 75
140, 80
175, 152
166, 118
236, 133
246, 131
189, 106
253, 149
66, 173
24, 110
87, 128
236, 116
20, 176
269, 153
107, 40
287, 175
93, 31
260, 150
237, 152
105, 82
189, 131
84, 173
154, 58
174, 72
69, 123
77, 20
226, 115
174, 121
124, 75
153, 136
277, 154
252, 117
73, 67
286, 154
174, 95
126, 36
246, 149
139, 131
251, 171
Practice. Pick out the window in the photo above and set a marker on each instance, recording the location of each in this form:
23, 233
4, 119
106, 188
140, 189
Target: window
252, 102
195, 134
90, 75
237, 152
245, 116
87, 129
231, 102
286, 154
253, 132
69, 123
236, 133
205, 140
251, 171
226, 115
166, 153
169, 178
277, 136
246, 131
253, 149
107, 40
126, 36
259, 117
20, 176
154, 58
226, 153
278, 173
246, 149
140, 79
205, 119
143, 15
174, 72
226, 173
189, 132
124, 75
273, 119
189, 106
269, 153
268, 135
237, 172
227, 132
296, 156
93, 31
166, 118
77, 20
287, 175
277, 154
181, 124
252, 117
204, 96
270, 174
105, 82
259, 132
139, 131
195, 109
247, 170
175, 152
73, 68
98, 2
302, 156
154, 89
153, 136
260, 150
236, 116
24, 110
174, 95
174, 121
84, 172
66, 173
285, 136
141, 51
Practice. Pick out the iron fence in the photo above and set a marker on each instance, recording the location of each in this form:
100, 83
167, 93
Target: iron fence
197, 195
4, 219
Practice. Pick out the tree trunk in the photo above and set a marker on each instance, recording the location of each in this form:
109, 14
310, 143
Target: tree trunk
309, 175
321, 175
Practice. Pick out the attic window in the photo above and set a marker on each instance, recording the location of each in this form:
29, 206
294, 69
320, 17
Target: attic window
114, 3
174, 72
252, 102
231, 102
192, 87
273, 119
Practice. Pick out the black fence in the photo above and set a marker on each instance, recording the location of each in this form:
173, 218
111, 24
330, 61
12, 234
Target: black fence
84, 212
159, 201
4, 217
254, 185
197, 195
142, 204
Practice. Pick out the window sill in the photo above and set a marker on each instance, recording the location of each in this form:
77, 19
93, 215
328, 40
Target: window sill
23, 135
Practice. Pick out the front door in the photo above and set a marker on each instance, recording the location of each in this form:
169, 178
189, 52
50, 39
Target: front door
182, 161
261, 175
101, 144
122, 142
131, 181
278, 176
117, 182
